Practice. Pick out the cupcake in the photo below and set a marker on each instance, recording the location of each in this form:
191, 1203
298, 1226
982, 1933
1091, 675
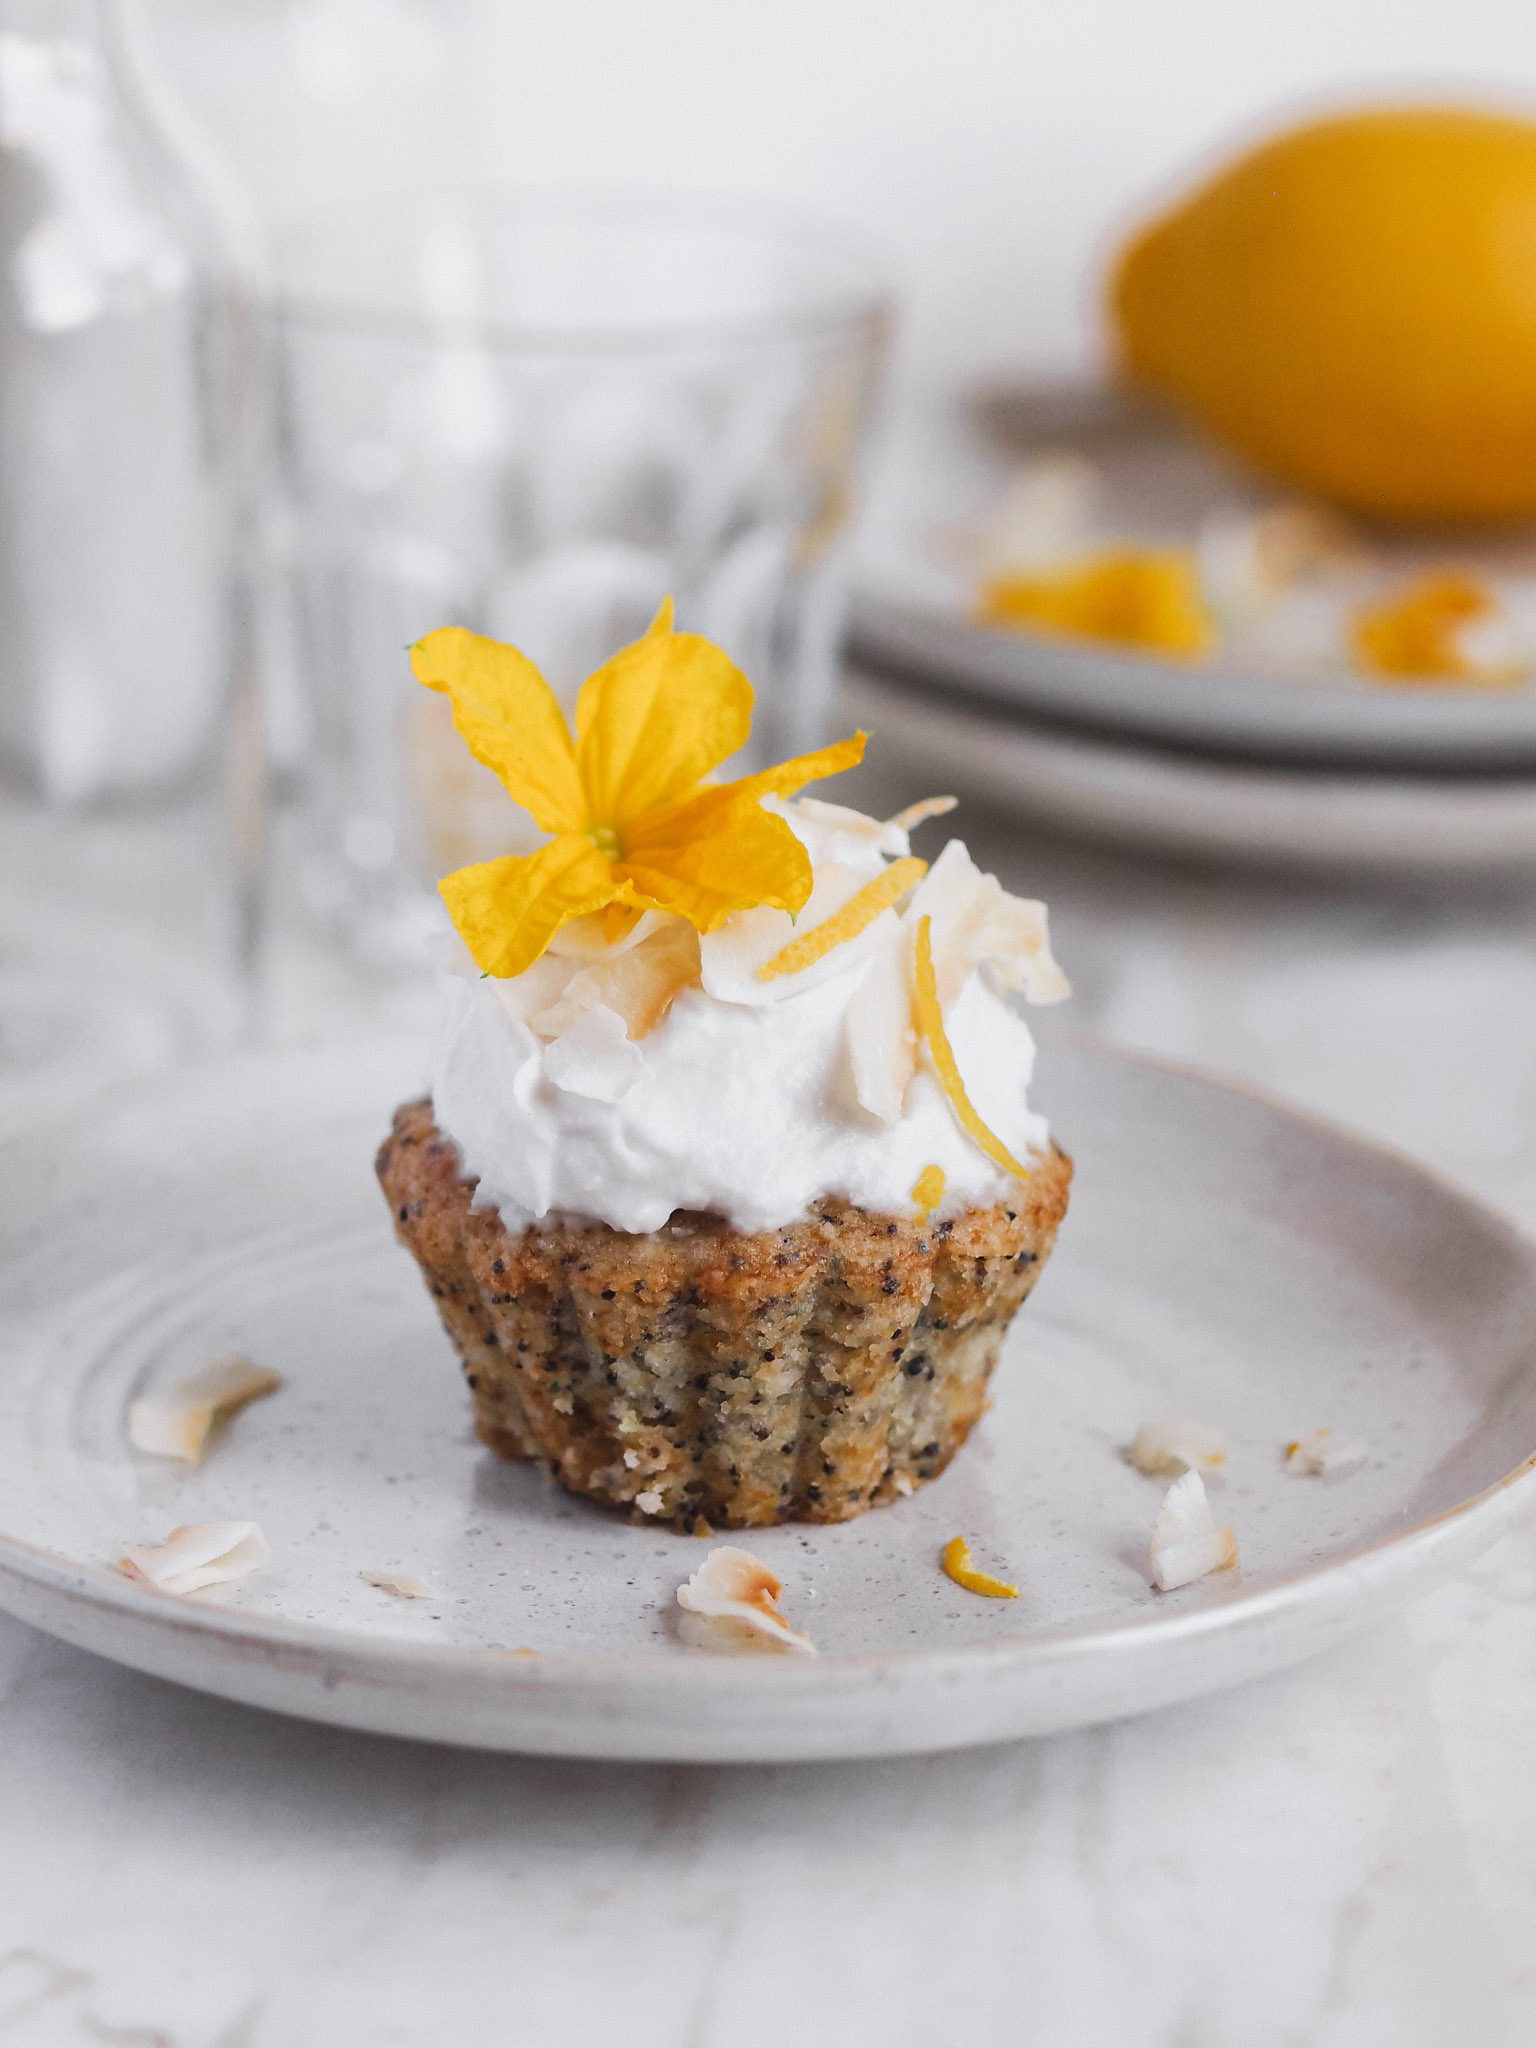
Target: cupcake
728, 1186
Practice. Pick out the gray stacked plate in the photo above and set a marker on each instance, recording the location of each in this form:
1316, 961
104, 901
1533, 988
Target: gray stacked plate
1208, 758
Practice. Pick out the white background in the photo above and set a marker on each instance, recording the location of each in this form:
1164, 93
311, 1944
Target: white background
993, 147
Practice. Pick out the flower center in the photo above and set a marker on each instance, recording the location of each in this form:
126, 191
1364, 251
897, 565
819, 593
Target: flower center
606, 839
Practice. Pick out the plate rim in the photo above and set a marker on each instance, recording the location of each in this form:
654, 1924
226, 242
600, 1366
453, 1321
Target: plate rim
1228, 711
1115, 789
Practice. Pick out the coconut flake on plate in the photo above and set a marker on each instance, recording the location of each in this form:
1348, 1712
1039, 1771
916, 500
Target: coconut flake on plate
1322, 1453
734, 1597
177, 1424
1167, 1448
401, 1585
1186, 1543
197, 1555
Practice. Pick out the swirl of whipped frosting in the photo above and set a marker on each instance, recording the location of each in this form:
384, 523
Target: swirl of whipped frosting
618, 1083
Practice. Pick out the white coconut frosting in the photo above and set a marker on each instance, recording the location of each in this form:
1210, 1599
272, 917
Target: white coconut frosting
751, 1099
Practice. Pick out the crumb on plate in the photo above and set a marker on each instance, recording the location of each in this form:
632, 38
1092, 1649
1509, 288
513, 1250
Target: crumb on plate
400, 1584
1321, 1453
1168, 1448
958, 1566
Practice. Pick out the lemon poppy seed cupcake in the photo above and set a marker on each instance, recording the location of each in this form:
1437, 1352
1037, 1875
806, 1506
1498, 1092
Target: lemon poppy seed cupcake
728, 1185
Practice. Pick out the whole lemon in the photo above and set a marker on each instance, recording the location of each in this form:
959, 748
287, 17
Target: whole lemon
1353, 307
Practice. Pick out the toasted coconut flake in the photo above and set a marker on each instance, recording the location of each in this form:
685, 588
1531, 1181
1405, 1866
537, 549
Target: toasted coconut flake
1168, 1448
524, 996
930, 1020
178, 1424
878, 1030
855, 916
973, 923
1011, 938
928, 1189
639, 982
401, 1585
926, 807
1042, 517
1186, 1543
1250, 560
976, 923
197, 1555
1322, 1454
737, 1597
595, 1057
957, 1564
846, 834
599, 937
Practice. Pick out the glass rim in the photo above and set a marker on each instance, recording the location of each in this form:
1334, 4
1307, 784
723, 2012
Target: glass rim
868, 292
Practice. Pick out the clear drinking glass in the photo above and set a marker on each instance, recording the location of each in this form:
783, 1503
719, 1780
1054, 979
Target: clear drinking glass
131, 755
120, 421
536, 420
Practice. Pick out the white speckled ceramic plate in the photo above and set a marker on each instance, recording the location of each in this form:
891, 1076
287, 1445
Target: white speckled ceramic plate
1223, 1259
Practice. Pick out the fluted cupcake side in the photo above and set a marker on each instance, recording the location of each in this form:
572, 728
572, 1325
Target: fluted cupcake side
746, 1377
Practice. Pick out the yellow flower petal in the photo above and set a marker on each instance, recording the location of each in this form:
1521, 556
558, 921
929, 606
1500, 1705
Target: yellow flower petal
717, 850
858, 912
957, 1563
509, 719
930, 1021
714, 854
653, 722
507, 911
790, 777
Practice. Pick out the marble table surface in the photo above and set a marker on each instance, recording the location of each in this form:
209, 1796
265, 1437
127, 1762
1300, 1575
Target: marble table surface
1340, 1857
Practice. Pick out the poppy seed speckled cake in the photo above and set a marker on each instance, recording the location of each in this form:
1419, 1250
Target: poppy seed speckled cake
728, 1186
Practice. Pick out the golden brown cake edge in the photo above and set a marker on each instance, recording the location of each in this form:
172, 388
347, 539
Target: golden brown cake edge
744, 1377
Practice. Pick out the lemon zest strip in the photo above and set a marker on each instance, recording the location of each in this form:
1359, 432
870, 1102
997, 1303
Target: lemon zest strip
928, 1189
858, 912
930, 1021
958, 1566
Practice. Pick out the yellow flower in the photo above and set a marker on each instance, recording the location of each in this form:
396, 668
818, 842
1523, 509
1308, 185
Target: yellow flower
635, 825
